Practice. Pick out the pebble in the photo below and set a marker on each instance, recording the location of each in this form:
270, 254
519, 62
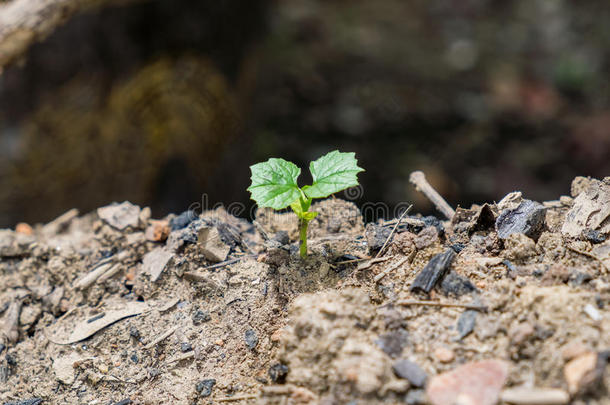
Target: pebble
392, 343
182, 220
211, 245
416, 397
185, 347
592, 312
410, 371
573, 349
527, 218
521, 332
466, 322
120, 216
24, 228
200, 317
155, 261
444, 355
578, 372
157, 231
251, 339
477, 383
204, 387
278, 373
125, 401
534, 396
455, 284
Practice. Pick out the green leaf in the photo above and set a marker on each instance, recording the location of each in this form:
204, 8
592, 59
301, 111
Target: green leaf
274, 183
332, 173
301, 206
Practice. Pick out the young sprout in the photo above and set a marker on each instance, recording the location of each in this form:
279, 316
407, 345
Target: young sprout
274, 184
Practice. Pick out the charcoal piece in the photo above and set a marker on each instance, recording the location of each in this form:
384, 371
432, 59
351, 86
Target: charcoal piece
457, 247
433, 271
278, 373
182, 220
527, 218
229, 234
435, 222
465, 324
376, 235
204, 387
410, 371
281, 237
594, 236
454, 284
392, 343
251, 339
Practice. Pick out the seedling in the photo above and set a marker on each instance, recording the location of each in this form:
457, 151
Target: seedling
274, 184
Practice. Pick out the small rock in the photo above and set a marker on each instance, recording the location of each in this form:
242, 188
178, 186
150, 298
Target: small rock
182, 220
590, 211
477, 383
410, 371
466, 322
211, 246
120, 216
454, 284
521, 332
444, 355
534, 396
134, 358
204, 387
125, 401
155, 261
594, 236
185, 347
24, 228
200, 317
278, 373
157, 231
426, 237
251, 339
592, 312
527, 219
416, 397
64, 368
2, 347
281, 237
581, 372
573, 349
134, 332
376, 235
392, 343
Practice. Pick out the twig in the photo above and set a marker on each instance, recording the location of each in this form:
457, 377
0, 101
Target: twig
418, 179
366, 264
353, 261
481, 308
161, 338
393, 230
261, 230
237, 398
390, 269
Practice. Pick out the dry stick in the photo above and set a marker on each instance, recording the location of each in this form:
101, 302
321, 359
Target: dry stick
365, 265
237, 398
393, 230
442, 304
161, 338
390, 269
418, 179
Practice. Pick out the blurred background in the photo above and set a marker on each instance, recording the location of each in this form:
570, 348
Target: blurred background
161, 101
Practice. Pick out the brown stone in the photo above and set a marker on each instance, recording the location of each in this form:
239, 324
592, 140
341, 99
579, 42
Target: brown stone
477, 383
444, 355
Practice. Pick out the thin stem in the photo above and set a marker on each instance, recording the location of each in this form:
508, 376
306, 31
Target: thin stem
303, 250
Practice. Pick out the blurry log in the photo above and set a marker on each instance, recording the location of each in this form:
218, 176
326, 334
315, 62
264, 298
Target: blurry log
25, 22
